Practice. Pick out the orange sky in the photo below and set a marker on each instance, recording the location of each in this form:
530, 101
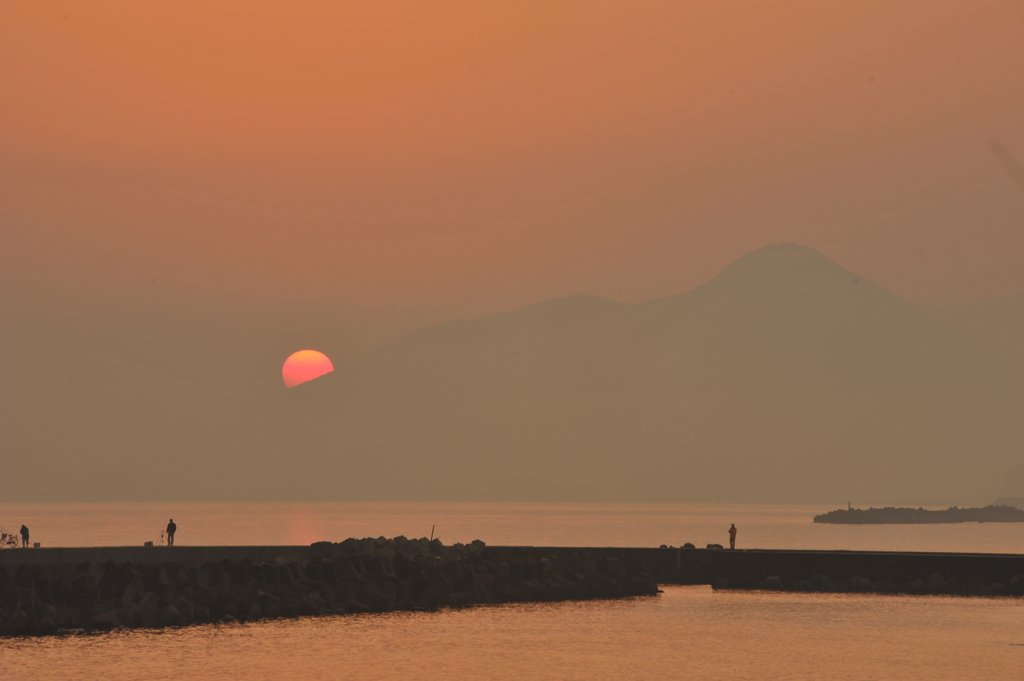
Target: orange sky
418, 161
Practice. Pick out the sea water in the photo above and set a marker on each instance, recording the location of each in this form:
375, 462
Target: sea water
686, 632
523, 524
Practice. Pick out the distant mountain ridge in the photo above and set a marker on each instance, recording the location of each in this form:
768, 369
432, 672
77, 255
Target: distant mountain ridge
787, 377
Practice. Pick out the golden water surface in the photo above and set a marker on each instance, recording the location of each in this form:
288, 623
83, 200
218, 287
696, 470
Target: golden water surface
683, 633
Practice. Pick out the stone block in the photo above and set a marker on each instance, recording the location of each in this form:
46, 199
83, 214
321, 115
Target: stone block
169, 616
149, 602
84, 583
132, 593
125, 616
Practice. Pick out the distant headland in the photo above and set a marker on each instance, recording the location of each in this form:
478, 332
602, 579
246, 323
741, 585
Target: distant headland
909, 516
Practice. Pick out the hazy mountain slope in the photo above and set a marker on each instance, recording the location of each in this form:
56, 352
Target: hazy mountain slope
997, 323
785, 378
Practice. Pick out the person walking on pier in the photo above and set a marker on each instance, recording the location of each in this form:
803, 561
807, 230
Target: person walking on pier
24, 536
732, 536
171, 529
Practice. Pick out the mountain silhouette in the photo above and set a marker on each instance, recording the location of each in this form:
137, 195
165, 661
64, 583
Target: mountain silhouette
785, 378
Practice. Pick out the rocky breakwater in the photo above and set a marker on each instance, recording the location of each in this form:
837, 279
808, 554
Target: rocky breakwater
354, 576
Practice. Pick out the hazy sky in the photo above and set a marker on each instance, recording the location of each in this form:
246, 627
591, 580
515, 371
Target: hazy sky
391, 164
192, 191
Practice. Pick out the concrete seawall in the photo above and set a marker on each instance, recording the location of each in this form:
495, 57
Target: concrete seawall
143, 555
881, 571
744, 568
877, 571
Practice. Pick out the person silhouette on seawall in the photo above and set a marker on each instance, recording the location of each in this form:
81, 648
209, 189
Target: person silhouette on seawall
24, 536
732, 536
171, 529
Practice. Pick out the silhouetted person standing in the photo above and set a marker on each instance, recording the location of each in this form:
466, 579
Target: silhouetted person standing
732, 536
171, 529
24, 536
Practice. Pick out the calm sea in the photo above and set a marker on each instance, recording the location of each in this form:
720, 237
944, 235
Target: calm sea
683, 633
767, 526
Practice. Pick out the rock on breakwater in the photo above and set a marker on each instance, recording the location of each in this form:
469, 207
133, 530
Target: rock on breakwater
354, 576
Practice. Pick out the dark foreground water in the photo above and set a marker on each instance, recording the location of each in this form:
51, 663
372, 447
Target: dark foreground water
684, 633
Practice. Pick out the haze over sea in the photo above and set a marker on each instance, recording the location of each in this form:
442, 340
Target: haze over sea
685, 632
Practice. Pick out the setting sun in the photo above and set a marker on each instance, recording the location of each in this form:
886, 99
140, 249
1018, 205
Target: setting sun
305, 365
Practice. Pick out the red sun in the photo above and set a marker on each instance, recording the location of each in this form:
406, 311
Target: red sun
305, 365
